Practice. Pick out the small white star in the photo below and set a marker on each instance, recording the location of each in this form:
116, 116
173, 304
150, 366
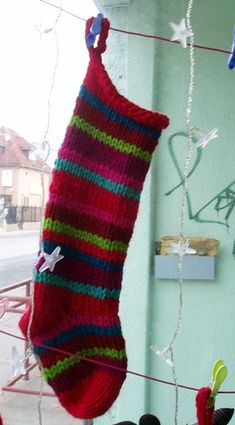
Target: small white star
17, 362
3, 307
51, 259
42, 30
205, 138
163, 354
181, 32
181, 248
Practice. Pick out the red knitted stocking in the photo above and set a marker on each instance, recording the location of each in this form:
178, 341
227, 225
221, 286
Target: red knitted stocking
89, 218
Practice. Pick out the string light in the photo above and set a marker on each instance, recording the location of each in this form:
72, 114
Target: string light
110, 366
181, 248
45, 145
185, 191
181, 32
176, 386
139, 34
39, 146
205, 138
164, 354
96, 362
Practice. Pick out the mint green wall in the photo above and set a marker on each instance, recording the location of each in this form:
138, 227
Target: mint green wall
207, 331
155, 75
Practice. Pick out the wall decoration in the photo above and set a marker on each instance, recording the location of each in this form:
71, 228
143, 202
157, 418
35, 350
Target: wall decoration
180, 32
205, 137
222, 204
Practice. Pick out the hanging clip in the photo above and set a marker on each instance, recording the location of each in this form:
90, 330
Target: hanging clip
94, 30
231, 59
219, 374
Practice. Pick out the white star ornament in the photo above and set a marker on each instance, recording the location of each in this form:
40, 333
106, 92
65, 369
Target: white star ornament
205, 138
181, 248
163, 354
51, 259
180, 32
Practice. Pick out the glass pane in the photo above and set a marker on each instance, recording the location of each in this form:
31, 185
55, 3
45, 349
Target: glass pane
44, 61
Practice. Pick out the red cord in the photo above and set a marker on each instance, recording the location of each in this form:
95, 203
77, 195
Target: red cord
151, 378
139, 34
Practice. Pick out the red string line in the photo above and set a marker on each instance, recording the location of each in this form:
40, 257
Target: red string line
130, 372
102, 364
139, 34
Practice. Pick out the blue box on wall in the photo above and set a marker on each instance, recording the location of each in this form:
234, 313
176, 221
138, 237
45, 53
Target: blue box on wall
194, 267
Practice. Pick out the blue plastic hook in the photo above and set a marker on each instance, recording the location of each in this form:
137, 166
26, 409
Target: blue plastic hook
94, 30
231, 59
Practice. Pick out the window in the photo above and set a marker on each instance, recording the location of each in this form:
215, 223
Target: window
6, 178
7, 200
29, 54
26, 201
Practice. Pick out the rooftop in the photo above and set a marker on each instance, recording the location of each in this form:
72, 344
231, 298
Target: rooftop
18, 152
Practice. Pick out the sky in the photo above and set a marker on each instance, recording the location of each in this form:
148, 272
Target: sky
28, 57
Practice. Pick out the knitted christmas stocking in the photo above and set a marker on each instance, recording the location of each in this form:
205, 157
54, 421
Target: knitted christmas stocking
89, 220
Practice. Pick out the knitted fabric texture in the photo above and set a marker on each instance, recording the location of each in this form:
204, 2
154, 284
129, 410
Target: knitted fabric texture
93, 203
204, 414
